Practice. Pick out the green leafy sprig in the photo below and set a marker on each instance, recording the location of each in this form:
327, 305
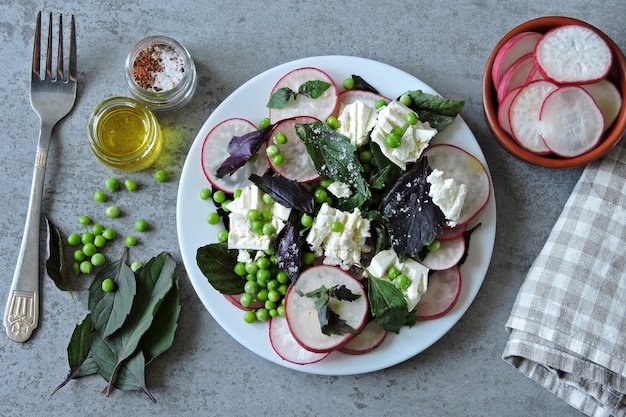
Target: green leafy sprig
330, 321
284, 96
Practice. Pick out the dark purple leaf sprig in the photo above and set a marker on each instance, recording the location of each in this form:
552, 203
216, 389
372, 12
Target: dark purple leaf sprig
286, 192
289, 245
241, 149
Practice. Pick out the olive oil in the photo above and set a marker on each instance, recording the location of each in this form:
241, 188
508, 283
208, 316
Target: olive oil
125, 135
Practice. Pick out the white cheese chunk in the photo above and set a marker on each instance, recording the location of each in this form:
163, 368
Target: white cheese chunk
340, 189
339, 248
356, 120
447, 194
414, 140
416, 272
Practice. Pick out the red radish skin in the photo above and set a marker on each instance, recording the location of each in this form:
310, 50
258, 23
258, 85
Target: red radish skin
452, 232
441, 295
448, 255
297, 164
515, 48
302, 315
503, 110
516, 76
524, 115
608, 99
571, 123
371, 337
320, 107
534, 74
573, 54
464, 168
287, 347
214, 152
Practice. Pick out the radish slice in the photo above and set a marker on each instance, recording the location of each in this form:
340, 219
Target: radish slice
320, 107
452, 232
524, 115
350, 96
367, 340
607, 97
302, 315
534, 74
287, 347
571, 123
504, 108
214, 152
516, 75
297, 164
448, 255
442, 294
464, 168
573, 54
515, 48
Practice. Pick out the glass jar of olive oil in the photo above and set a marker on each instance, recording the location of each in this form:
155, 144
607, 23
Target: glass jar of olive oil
124, 134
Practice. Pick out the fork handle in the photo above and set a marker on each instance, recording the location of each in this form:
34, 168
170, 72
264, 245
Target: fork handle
21, 316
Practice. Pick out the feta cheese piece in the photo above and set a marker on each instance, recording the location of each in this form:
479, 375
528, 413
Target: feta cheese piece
339, 189
415, 271
414, 140
339, 248
356, 120
241, 235
447, 194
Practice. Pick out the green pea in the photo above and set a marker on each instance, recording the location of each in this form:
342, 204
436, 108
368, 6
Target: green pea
112, 184
320, 195
336, 226
393, 140
100, 196
380, 103
411, 118
282, 288
251, 287
269, 229
86, 267
262, 294
272, 151
108, 285
257, 226
89, 249
366, 156
249, 317
112, 212
268, 199
393, 272
74, 239
141, 225
348, 83
97, 229
222, 235
76, 268
219, 196
282, 277
240, 269
405, 99
278, 160
272, 285
306, 220
434, 246
332, 122
246, 299
281, 310
109, 234
263, 263
97, 259
130, 185
265, 122
99, 241
253, 214
86, 238
262, 314
325, 183
273, 296
402, 282
280, 138
84, 220
263, 276
130, 240
79, 255
161, 175
308, 258
237, 193
135, 266
213, 218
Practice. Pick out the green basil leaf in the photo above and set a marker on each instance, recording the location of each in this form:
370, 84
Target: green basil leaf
131, 375
78, 352
313, 89
281, 98
439, 112
160, 335
217, 264
387, 304
55, 264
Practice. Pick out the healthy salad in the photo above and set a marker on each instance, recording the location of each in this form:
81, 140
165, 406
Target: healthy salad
342, 220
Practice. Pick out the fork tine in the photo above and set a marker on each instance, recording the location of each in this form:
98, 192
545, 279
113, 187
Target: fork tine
72, 75
49, 50
60, 53
37, 48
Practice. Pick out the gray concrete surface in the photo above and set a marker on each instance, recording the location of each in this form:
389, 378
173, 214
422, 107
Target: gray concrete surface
206, 372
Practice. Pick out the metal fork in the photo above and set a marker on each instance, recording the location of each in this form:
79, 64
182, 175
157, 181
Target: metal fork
52, 97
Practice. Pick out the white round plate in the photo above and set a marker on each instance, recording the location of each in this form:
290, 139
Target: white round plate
248, 102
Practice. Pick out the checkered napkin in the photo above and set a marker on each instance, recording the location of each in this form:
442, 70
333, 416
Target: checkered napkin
568, 324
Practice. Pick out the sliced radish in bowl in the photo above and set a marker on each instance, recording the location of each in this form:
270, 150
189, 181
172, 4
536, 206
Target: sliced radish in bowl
515, 48
571, 123
296, 164
608, 99
214, 152
516, 76
504, 109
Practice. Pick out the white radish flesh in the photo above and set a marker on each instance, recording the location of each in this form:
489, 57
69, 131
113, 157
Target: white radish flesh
464, 168
571, 123
503, 110
608, 99
448, 255
297, 164
367, 340
516, 75
320, 107
442, 294
302, 314
287, 347
573, 54
515, 48
214, 152
524, 115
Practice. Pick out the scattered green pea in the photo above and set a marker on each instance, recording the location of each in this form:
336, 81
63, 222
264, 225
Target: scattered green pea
205, 194
112, 184
336, 226
237, 193
348, 83
99, 241
112, 212
272, 151
109, 234
84, 220
213, 218
161, 176
380, 103
405, 99
411, 118
434, 246
332, 122
130, 240
74, 239
86, 267
240, 269
253, 214
278, 160
108, 285
86, 238
268, 199
89, 249
246, 299
308, 258
268, 229
135, 266
222, 235
366, 156
306, 220
249, 317
219, 196
320, 195
76, 268
265, 122
79, 255
402, 282
280, 138
100, 196
97, 259
130, 185
393, 140
141, 225
393, 272
97, 229
262, 314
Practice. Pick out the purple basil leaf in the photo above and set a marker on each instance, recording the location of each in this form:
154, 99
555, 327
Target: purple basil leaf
289, 246
286, 192
241, 149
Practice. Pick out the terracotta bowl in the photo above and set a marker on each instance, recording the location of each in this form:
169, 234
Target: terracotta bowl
490, 103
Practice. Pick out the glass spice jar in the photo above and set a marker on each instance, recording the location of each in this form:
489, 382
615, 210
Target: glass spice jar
124, 134
160, 73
